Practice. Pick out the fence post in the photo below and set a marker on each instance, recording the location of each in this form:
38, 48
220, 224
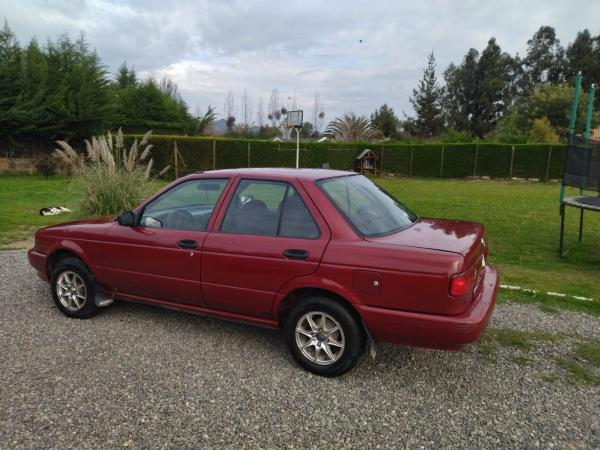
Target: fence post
476, 157
512, 160
548, 163
411, 163
248, 154
214, 154
442, 162
381, 164
175, 152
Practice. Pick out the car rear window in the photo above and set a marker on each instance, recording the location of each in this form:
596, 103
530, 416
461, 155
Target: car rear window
366, 207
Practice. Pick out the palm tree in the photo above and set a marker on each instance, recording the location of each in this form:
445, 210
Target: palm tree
351, 128
205, 120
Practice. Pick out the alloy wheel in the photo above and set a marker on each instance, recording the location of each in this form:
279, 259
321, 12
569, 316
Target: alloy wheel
71, 290
320, 338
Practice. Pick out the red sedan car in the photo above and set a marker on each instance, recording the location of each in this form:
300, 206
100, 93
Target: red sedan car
326, 255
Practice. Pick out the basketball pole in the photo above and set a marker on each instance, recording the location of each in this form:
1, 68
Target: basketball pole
297, 147
294, 120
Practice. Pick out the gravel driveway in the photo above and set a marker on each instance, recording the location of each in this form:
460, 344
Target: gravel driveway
139, 377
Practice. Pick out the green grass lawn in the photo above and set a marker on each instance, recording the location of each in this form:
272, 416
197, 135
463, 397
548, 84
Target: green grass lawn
522, 223
21, 199
523, 226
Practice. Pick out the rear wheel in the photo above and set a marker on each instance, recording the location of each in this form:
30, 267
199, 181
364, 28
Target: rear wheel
323, 336
74, 289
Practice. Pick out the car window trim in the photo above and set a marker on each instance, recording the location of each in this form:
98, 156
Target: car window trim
283, 203
212, 215
270, 180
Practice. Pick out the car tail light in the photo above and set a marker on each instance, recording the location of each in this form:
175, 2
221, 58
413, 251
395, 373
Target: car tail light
462, 283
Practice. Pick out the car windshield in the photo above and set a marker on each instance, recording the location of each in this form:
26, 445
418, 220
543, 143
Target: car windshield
369, 209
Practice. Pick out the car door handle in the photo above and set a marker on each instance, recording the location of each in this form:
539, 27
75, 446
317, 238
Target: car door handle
294, 253
189, 244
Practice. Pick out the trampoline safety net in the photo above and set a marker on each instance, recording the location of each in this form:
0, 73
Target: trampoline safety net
582, 165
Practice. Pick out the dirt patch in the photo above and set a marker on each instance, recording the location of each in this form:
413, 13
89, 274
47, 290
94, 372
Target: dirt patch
17, 245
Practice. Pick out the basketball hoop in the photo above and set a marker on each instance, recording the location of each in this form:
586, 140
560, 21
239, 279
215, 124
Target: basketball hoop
294, 121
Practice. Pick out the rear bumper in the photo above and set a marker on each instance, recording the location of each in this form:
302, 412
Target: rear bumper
39, 263
434, 331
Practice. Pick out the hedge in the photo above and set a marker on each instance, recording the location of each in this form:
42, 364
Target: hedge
541, 161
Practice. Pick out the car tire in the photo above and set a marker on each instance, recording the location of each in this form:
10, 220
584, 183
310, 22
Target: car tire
324, 336
74, 288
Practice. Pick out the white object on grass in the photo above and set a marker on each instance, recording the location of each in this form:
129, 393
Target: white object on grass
54, 210
553, 294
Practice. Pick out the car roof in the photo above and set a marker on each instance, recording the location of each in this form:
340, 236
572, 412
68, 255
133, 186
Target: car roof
281, 172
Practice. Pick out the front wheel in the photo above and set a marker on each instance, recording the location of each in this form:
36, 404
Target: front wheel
323, 336
73, 289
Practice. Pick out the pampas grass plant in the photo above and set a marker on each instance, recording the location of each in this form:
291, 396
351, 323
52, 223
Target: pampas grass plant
113, 178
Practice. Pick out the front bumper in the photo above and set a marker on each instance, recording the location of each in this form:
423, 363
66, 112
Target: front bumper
435, 331
39, 263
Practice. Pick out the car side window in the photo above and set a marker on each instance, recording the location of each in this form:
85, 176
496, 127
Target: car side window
268, 208
295, 220
188, 206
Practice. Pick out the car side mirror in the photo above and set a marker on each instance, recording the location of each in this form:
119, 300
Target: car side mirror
127, 219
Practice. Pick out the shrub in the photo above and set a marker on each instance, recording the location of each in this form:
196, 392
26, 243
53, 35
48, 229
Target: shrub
68, 161
454, 136
110, 192
113, 178
46, 166
512, 128
541, 131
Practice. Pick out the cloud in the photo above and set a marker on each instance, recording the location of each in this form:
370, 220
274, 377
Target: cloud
211, 47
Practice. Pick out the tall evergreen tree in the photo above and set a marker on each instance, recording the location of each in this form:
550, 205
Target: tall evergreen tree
62, 90
493, 80
583, 54
145, 105
32, 111
10, 64
479, 90
460, 92
427, 101
79, 86
580, 54
126, 77
385, 120
545, 60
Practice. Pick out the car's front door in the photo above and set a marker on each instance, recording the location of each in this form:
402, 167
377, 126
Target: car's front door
160, 257
269, 234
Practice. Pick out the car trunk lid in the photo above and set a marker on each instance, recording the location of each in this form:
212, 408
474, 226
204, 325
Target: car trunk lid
455, 236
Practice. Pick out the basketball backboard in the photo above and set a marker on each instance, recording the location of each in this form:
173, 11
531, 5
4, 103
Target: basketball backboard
294, 118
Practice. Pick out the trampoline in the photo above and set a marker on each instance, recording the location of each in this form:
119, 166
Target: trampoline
591, 203
582, 170
582, 166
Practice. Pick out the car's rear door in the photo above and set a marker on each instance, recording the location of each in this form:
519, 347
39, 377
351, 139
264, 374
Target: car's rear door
160, 258
268, 234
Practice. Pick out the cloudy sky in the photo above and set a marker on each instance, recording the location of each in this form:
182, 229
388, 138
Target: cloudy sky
356, 54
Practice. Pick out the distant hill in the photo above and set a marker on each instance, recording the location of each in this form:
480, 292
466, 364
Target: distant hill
219, 126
